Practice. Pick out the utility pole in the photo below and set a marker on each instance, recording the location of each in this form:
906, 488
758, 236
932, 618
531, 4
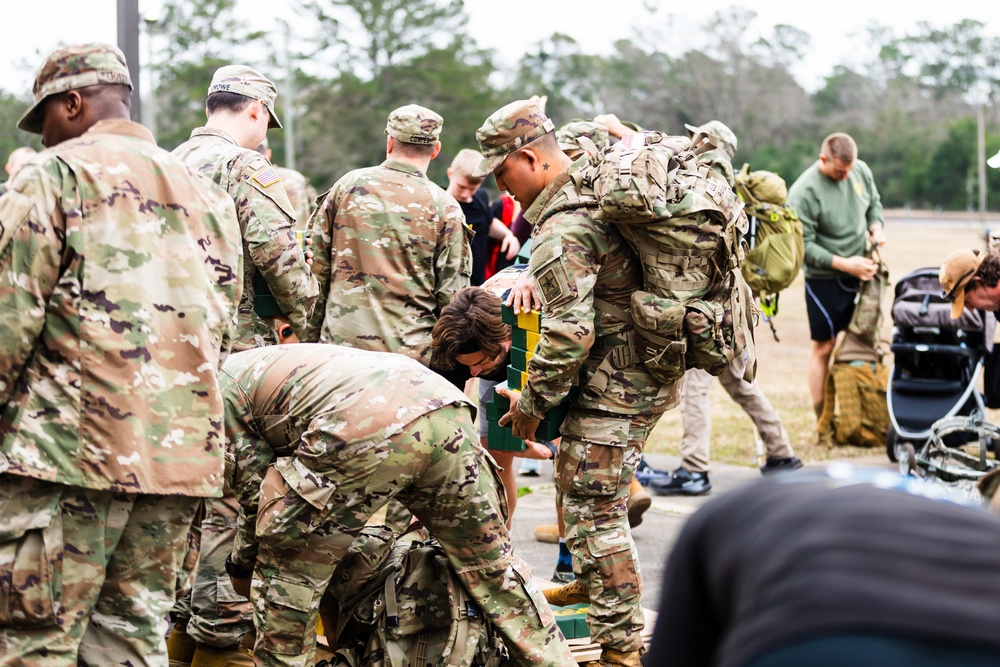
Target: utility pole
128, 42
289, 101
981, 150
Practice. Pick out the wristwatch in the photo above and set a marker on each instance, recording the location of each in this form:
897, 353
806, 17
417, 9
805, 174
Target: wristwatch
235, 571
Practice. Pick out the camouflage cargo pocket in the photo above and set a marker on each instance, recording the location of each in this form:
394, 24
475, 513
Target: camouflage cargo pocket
708, 348
597, 454
289, 616
659, 328
31, 546
283, 516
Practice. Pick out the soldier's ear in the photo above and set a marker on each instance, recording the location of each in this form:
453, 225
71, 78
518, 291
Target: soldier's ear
437, 149
527, 153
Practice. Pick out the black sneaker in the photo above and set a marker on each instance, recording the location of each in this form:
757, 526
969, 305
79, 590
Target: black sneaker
773, 465
682, 482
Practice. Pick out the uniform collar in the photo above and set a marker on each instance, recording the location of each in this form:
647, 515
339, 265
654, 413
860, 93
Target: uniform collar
211, 131
121, 126
402, 166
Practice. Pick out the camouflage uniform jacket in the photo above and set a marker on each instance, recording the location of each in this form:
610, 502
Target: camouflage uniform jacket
301, 195
576, 259
266, 221
389, 250
307, 405
119, 284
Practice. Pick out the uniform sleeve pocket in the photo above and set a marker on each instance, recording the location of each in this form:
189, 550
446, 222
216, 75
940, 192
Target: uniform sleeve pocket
553, 281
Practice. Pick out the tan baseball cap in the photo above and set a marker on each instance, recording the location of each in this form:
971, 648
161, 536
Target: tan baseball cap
71, 68
506, 130
248, 82
414, 124
957, 270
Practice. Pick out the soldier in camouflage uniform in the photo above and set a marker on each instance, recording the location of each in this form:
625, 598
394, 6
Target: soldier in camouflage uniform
240, 109
582, 267
390, 247
119, 286
322, 437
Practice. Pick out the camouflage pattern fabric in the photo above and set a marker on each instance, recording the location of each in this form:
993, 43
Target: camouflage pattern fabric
219, 616
414, 124
119, 279
595, 466
568, 136
266, 224
301, 195
87, 575
323, 436
577, 260
390, 249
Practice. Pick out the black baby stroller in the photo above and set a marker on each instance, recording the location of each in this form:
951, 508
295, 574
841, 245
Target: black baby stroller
936, 409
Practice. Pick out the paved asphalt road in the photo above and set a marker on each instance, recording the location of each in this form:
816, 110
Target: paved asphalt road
660, 524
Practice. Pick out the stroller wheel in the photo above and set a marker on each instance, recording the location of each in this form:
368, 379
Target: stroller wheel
891, 442
906, 457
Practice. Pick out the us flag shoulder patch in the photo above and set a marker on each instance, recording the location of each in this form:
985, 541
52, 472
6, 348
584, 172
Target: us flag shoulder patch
267, 177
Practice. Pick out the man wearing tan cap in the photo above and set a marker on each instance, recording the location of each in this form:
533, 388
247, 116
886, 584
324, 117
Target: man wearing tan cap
240, 110
119, 285
585, 275
390, 247
970, 279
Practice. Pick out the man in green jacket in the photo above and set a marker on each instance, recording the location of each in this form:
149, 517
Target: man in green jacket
841, 212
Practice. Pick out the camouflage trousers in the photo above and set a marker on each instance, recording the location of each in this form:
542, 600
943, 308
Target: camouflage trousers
595, 466
438, 470
219, 616
87, 577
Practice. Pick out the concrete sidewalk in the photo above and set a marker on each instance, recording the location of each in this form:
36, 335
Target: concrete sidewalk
660, 525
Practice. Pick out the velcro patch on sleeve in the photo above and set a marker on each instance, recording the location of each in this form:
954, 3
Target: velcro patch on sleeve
267, 177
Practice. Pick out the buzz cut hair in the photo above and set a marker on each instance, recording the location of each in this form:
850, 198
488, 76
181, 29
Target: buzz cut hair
841, 147
227, 102
466, 163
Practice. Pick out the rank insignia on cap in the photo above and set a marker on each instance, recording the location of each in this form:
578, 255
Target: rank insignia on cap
267, 177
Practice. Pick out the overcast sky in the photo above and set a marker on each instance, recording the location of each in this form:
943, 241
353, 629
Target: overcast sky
512, 26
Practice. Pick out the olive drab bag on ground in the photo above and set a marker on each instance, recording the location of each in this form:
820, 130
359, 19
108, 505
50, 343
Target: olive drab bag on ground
775, 236
855, 408
398, 603
667, 197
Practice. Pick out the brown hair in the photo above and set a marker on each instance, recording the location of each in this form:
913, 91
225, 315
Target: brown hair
841, 147
989, 270
472, 316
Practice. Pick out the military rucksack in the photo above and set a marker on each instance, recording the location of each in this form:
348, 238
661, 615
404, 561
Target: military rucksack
775, 236
399, 603
670, 199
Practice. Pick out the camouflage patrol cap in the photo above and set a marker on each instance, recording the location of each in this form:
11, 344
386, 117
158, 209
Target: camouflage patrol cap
74, 67
568, 134
248, 82
956, 272
414, 124
720, 131
508, 129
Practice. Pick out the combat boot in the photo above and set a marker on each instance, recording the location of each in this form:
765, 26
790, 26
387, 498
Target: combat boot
612, 658
180, 647
638, 502
572, 593
231, 656
548, 533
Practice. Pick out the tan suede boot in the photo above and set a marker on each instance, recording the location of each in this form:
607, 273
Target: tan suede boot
548, 533
639, 501
180, 647
232, 656
571, 593
612, 658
